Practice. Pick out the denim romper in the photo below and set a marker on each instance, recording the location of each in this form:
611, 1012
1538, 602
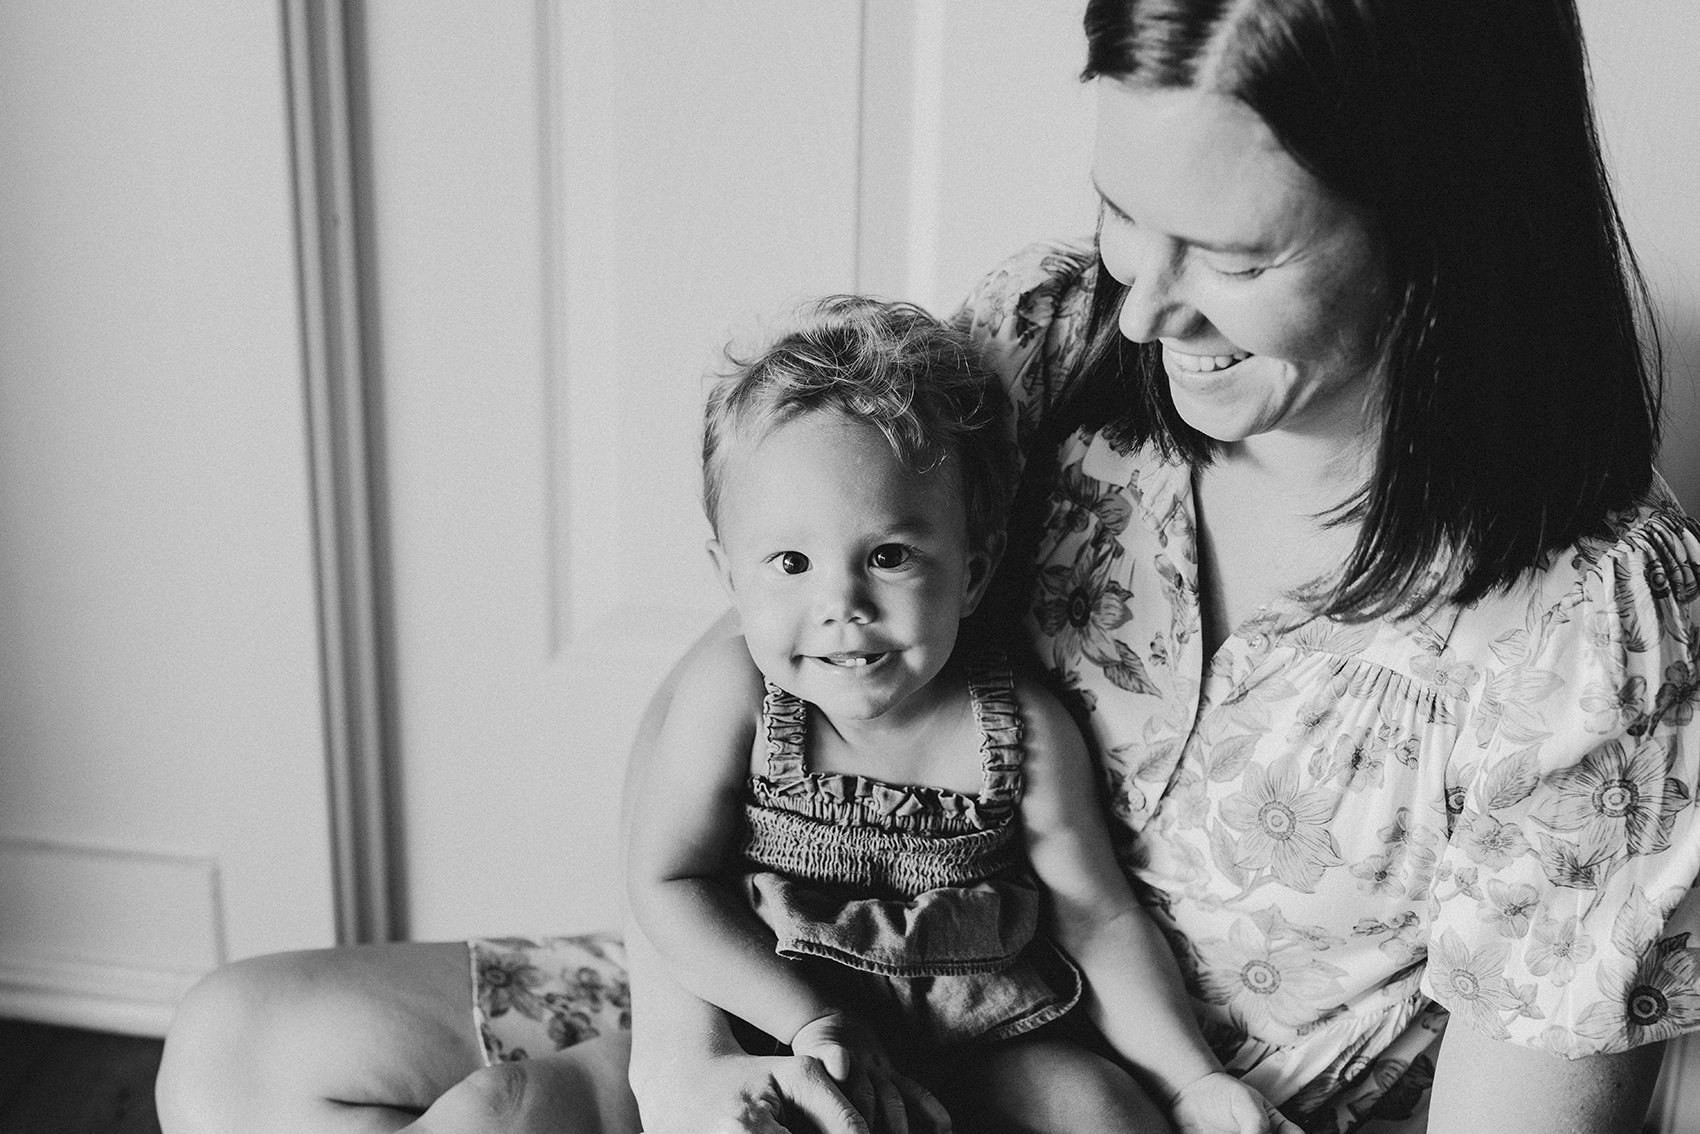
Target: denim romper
913, 905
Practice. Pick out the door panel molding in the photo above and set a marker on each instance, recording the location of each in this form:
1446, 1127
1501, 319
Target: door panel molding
105, 937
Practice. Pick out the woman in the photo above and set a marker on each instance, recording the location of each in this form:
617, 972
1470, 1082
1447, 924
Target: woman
1342, 535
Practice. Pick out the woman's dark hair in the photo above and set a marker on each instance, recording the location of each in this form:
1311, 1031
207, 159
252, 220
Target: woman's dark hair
1522, 401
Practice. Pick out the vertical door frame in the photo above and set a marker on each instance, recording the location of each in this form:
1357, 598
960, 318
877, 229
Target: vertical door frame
324, 77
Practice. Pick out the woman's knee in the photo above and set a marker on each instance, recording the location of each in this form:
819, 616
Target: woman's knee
277, 1039
216, 1049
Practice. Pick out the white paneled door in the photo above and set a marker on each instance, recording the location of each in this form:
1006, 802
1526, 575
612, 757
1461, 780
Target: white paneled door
162, 744
575, 204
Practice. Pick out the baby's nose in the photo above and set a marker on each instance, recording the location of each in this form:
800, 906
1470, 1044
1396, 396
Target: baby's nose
846, 598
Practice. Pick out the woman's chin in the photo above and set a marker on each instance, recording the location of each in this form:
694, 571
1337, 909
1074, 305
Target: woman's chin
1223, 423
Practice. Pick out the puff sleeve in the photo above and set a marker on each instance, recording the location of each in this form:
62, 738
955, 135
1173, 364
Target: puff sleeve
1029, 316
1573, 830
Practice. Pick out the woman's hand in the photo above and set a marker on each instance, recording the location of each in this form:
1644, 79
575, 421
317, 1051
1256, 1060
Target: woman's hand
1218, 1103
853, 1057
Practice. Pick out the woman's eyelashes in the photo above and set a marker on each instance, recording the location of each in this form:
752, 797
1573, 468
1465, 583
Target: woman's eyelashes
1110, 218
1232, 272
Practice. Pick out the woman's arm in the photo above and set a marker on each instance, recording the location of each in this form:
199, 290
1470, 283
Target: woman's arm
688, 808
1488, 1086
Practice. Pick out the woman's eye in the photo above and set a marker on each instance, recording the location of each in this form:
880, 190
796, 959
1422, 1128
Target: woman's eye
1109, 215
793, 562
889, 555
1236, 272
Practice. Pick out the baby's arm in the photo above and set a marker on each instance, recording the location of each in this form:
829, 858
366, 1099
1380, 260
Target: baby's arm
679, 845
1134, 990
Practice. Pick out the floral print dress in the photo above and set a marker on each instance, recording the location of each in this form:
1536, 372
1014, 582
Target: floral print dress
1350, 832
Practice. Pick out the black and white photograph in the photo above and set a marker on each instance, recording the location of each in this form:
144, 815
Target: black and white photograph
849, 567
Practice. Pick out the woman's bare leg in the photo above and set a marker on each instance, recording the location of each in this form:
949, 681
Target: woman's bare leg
368, 1039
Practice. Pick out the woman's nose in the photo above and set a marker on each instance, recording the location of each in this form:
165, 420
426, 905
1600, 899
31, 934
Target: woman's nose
1146, 311
1149, 268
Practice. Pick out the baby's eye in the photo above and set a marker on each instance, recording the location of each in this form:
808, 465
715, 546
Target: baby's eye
889, 555
793, 562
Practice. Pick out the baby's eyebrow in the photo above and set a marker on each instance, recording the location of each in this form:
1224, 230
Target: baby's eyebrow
1229, 248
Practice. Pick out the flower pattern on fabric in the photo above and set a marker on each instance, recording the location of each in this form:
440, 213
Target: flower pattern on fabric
507, 981
1285, 827
1558, 947
1081, 605
1652, 1001
542, 995
1342, 824
1473, 984
1270, 983
1616, 803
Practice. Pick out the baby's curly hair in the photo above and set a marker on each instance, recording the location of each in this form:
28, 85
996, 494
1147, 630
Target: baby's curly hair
920, 382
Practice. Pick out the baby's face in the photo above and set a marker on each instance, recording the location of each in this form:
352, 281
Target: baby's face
850, 573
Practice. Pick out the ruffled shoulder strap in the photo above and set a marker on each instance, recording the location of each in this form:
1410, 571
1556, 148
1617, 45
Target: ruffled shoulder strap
991, 688
786, 719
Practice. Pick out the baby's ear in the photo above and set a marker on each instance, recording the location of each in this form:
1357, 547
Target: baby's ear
722, 567
982, 565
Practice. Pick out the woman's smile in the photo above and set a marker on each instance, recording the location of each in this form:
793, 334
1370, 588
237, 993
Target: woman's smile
1203, 363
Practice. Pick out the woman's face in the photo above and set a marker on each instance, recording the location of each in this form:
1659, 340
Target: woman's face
1265, 290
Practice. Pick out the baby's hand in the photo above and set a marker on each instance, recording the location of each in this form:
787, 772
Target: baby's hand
851, 1053
1218, 1103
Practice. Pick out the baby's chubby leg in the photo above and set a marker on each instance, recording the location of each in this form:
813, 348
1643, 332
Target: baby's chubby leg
1047, 1086
374, 1038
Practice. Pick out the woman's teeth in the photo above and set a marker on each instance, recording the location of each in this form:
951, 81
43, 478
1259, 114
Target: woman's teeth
1206, 363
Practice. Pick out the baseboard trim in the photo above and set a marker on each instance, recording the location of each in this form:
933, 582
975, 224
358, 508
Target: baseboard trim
104, 937
104, 997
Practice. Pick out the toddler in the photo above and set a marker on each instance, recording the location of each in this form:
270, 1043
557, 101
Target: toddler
862, 835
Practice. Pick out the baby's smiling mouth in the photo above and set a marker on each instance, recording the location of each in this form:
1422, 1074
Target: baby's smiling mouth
850, 659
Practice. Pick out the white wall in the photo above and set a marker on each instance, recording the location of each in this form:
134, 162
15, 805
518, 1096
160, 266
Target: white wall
161, 759
1647, 89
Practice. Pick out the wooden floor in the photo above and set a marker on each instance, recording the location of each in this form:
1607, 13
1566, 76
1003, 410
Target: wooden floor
63, 1081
